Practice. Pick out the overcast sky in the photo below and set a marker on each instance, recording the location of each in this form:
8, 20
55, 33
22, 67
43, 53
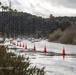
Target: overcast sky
44, 7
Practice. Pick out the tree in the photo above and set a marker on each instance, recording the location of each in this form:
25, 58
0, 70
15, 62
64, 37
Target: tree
64, 23
22, 24
0, 3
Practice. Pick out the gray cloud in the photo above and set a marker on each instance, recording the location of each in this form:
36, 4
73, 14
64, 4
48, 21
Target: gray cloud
40, 7
45, 7
65, 3
17, 2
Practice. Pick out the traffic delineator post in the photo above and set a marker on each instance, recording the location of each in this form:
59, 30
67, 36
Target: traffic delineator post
34, 48
45, 50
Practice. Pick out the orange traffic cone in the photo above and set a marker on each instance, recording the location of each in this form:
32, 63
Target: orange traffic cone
26, 46
63, 51
14, 43
34, 48
17, 44
45, 50
23, 45
63, 56
20, 45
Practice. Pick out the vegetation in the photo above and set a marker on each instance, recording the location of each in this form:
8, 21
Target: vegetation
68, 36
10, 64
55, 35
14, 24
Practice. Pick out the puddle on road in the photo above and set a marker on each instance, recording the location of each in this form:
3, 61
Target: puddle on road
55, 65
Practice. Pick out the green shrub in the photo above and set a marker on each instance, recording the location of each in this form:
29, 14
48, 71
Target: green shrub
16, 65
2, 53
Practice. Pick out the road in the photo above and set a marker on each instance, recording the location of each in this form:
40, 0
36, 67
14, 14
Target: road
54, 65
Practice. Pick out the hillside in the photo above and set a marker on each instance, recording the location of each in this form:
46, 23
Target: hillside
14, 24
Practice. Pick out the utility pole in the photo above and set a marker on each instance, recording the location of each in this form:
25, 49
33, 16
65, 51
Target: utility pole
9, 3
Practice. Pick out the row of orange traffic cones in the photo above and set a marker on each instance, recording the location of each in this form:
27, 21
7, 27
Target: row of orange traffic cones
45, 50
